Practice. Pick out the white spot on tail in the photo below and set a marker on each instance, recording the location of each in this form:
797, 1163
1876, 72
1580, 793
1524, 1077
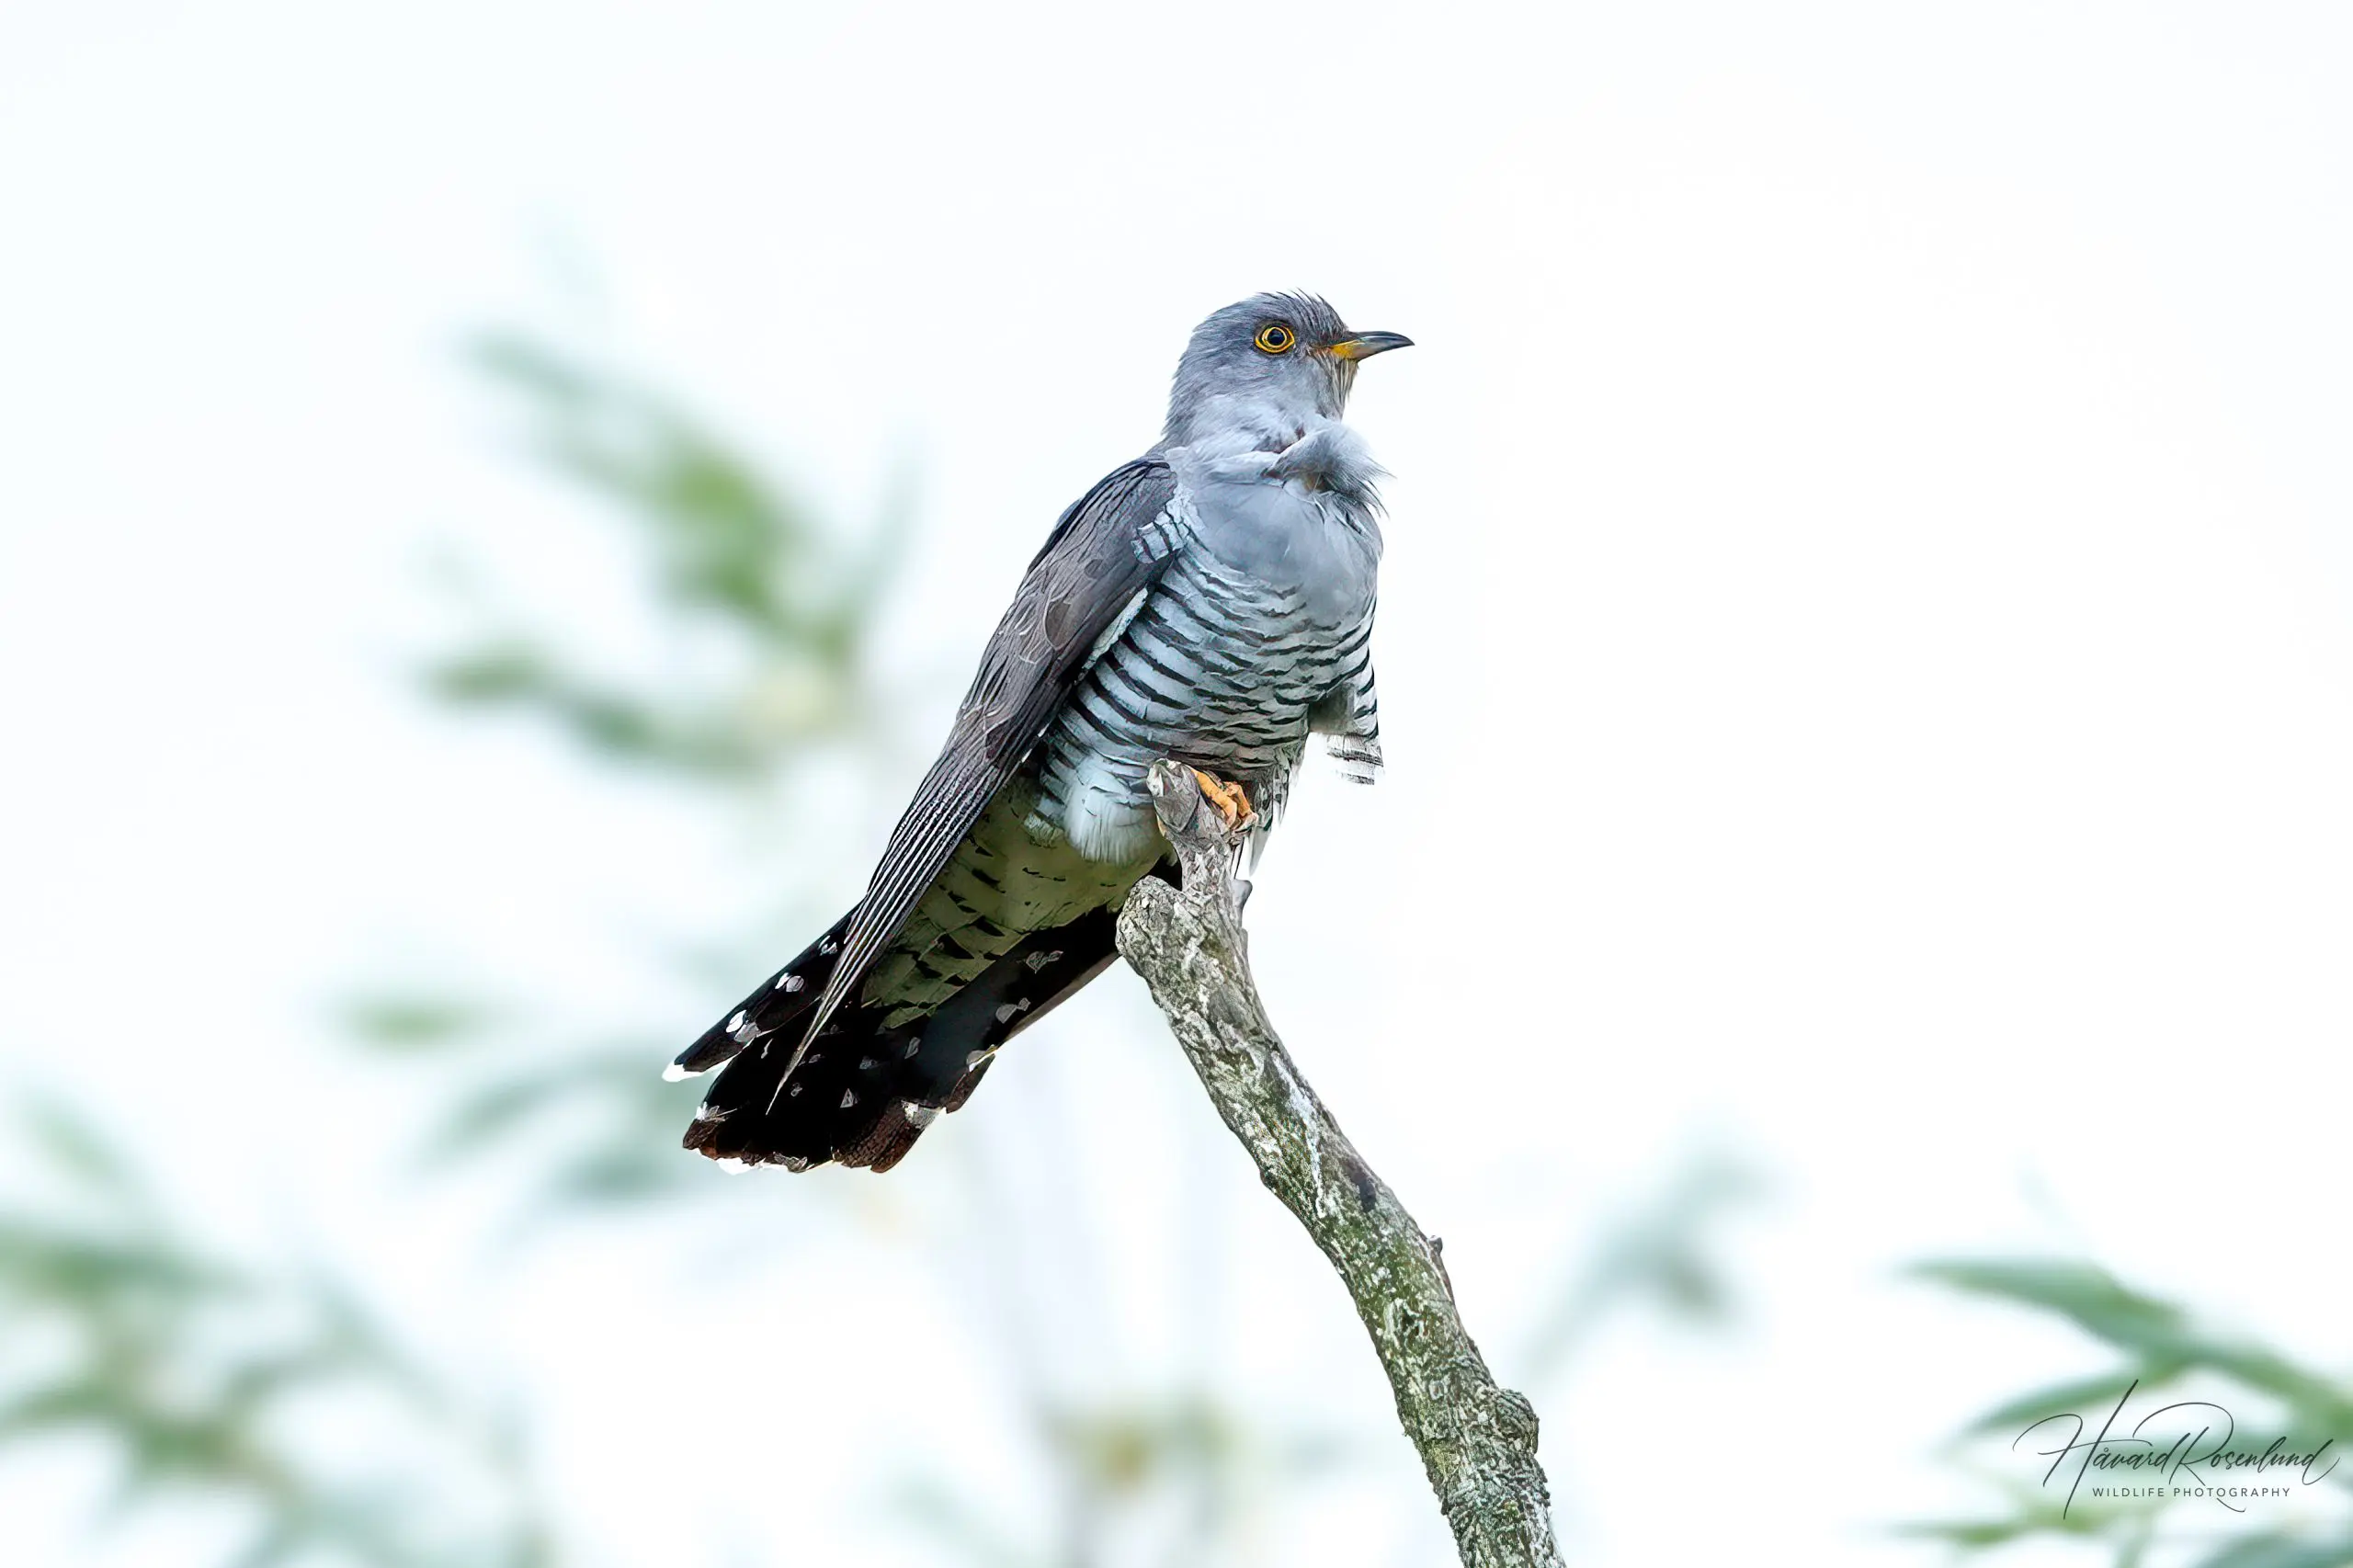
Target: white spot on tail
735, 1166
974, 1058
790, 982
920, 1115
674, 1074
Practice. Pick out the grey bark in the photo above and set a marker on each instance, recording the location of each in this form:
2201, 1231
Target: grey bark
1477, 1440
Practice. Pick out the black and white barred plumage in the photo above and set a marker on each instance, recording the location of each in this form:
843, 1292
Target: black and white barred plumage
1224, 663
1212, 602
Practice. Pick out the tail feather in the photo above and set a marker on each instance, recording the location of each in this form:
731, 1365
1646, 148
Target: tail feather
777, 1004
865, 1090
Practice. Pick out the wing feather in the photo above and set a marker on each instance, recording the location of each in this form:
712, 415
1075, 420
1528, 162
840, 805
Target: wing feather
1100, 555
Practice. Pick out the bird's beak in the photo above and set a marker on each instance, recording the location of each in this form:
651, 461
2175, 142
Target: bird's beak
1365, 344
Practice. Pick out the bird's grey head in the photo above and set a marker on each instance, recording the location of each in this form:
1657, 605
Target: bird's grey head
1258, 374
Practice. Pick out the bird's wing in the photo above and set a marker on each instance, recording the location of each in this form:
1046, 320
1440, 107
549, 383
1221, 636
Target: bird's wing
1107, 549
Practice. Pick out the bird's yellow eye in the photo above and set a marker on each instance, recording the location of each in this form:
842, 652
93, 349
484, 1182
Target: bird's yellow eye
1275, 338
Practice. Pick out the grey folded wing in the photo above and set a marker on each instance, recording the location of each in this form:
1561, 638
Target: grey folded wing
1108, 547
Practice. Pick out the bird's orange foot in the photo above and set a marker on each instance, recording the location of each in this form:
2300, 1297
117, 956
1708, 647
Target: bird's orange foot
1231, 801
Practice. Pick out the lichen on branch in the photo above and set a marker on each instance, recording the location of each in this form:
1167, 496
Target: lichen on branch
1477, 1440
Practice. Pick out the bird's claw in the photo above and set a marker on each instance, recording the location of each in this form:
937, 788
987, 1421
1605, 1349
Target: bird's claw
1233, 802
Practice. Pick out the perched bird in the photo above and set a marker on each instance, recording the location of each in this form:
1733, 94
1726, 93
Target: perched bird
1210, 602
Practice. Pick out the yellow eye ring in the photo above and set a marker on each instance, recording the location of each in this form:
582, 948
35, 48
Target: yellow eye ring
1274, 339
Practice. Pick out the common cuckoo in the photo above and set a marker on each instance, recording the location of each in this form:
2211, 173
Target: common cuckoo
1212, 602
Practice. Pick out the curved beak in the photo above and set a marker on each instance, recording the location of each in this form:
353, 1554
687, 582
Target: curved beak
1365, 344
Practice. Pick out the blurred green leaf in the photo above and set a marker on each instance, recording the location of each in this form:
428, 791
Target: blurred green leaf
1977, 1534
727, 548
2160, 1337
187, 1366
412, 1023
602, 1124
2160, 1342
2087, 1296
75, 1147
2099, 1392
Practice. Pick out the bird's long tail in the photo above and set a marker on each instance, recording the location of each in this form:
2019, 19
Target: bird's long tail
866, 1088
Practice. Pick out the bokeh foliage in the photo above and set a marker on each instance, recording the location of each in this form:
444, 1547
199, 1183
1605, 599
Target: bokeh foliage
727, 551
208, 1377
730, 559
2155, 1346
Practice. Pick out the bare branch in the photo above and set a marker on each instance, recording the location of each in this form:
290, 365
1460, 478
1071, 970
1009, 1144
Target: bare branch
1477, 1440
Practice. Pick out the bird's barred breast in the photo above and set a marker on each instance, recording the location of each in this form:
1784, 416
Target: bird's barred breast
1220, 668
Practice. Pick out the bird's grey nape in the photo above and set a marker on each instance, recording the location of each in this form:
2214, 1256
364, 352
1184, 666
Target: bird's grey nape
1234, 392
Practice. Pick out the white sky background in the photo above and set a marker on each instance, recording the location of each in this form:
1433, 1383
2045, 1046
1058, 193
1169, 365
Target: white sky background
1864, 652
